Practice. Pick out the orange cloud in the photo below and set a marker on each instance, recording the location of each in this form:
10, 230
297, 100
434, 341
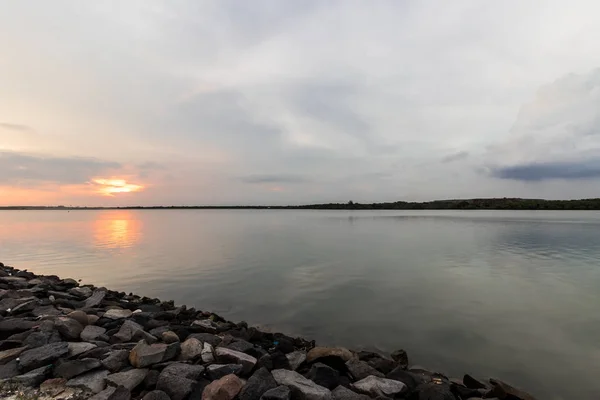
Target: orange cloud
110, 187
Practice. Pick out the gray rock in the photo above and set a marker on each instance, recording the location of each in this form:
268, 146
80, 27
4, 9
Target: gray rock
401, 358
324, 375
260, 382
92, 332
9, 370
296, 358
117, 313
43, 311
375, 386
38, 339
112, 393
342, 393
360, 370
91, 381
25, 307
206, 325
190, 349
410, 379
225, 388
172, 351
143, 354
68, 328
33, 378
72, 368
302, 388
10, 354
131, 330
227, 356
213, 340
207, 354
82, 292
217, 371
95, 299
240, 345
76, 348
279, 393
42, 356
178, 380
129, 379
116, 360
156, 395
15, 325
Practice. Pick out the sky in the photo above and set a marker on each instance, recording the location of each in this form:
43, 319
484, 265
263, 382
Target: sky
292, 102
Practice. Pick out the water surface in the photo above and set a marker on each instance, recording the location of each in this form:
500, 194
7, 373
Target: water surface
509, 294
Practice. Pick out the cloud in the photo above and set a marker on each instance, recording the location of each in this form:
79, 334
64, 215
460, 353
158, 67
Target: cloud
18, 168
16, 127
274, 179
536, 172
461, 155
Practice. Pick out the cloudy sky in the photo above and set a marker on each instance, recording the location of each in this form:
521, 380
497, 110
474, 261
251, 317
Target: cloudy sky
287, 102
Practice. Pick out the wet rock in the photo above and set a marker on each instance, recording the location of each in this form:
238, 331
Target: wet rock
178, 380
284, 345
205, 326
321, 352
79, 316
503, 390
170, 337
82, 292
116, 360
360, 370
70, 369
91, 381
280, 361
207, 354
91, 332
68, 328
324, 375
279, 393
34, 377
190, 349
302, 388
11, 354
76, 348
143, 354
400, 357
260, 382
227, 356
116, 313
473, 383
42, 356
410, 379
225, 388
343, 393
95, 299
296, 358
112, 393
209, 338
375, 386
217, 371
128, 379
156, 395
266, 361
434, 391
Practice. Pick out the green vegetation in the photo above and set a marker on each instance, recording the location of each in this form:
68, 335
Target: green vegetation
469, 204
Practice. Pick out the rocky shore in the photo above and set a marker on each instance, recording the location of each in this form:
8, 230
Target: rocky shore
60, 340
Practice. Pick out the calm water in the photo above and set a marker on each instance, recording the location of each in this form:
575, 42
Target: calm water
509, 294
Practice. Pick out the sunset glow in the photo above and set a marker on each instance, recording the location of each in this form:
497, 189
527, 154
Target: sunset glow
110, 187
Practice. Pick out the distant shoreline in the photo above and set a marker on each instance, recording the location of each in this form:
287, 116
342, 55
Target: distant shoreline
459, 204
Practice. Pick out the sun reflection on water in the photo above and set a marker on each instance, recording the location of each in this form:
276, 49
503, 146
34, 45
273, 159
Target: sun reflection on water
117, 230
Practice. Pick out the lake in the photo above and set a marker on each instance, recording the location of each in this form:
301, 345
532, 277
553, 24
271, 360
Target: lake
509, 294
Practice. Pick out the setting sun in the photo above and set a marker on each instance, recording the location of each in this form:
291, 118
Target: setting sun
109, 187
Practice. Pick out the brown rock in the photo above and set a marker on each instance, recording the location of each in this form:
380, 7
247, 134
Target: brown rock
320, 352
143, 354
79, 316
11, 354
225, 388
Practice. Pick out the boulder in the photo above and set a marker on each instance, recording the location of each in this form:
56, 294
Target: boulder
383, 365
279, 393
322, 352
434, 391
68, 328
178, 380
360, 370
410, 379
92, 332
82, 292
116, 360
10, 354
14, 325
76, 348
343, 393
302, 388
95, 299
205, 326
260, 382
375, 386
42, 356
324, 375
112, 393
240, 345
38, 339
503, 390
156, 395
128, 379
72, 368
296, 358
217, 371
209, 338
34, 377
143, 354
473, 383
279, 360
225, 388
190, 349
92, 319
79, 316
170, 337
93, 381
207, 354
53, 387
400, 357
9, 370
117, 313
227, 356
131, 330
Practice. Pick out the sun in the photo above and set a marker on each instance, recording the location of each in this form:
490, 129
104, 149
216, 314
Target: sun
110, 187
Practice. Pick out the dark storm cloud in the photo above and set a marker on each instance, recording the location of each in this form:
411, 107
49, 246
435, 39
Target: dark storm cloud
533, 172
16, 127
274, 179
18, 167
461, 155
